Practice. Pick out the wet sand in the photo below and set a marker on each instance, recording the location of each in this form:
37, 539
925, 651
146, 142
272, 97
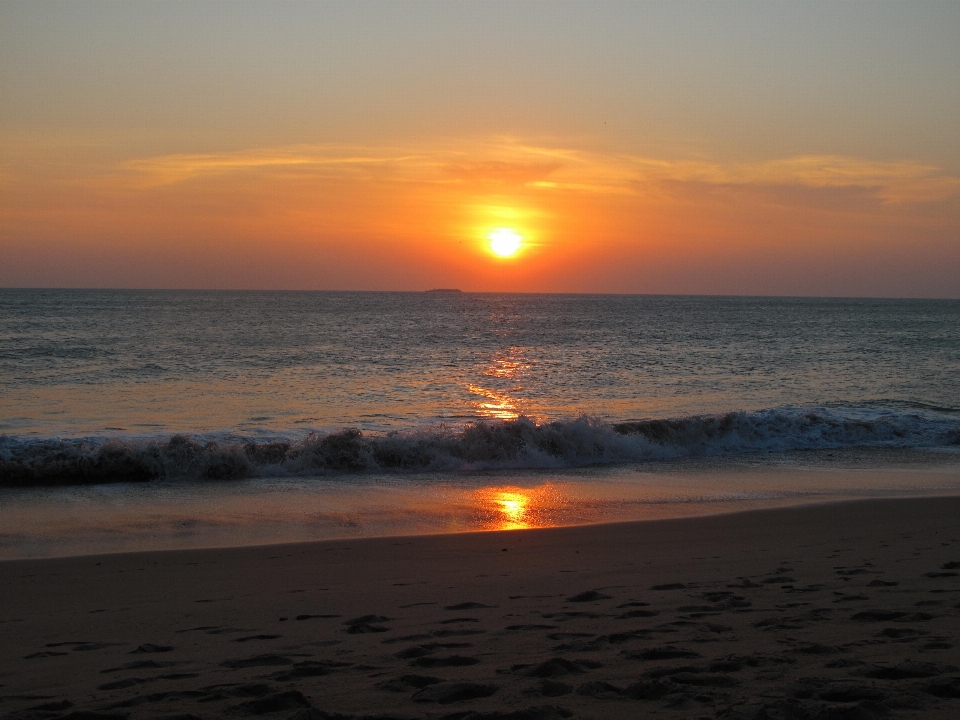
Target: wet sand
845, 610
180, 515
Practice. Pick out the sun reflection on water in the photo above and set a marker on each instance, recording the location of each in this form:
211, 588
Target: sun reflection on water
495, 406
516, 508
507, 365
498, 404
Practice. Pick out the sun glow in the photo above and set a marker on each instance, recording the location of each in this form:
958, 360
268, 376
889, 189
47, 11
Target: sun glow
514, 508
504, 242
508, 507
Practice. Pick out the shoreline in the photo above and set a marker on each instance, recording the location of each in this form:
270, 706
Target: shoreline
90, 520
787, 504
439, 536
841, 607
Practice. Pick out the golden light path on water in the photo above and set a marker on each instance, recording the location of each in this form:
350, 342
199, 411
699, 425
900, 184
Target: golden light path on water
502, 404
511, 507
494, 406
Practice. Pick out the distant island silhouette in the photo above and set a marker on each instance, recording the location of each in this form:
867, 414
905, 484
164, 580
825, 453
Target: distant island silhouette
444, 290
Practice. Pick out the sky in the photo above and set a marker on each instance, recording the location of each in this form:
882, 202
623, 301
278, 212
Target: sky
745, 148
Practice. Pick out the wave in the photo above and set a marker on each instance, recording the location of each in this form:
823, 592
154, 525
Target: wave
510, 444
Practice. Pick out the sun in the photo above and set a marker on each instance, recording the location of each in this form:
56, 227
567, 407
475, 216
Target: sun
504, 242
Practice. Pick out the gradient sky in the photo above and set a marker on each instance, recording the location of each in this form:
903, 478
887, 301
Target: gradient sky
788, 148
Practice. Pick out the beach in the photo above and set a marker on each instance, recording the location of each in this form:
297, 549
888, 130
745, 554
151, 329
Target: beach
486, 506
838, 610
484, 360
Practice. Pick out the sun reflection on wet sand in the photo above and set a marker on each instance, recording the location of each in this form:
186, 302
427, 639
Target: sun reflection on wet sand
516, 508
131, 517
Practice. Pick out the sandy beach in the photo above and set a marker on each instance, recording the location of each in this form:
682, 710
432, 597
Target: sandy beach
479, 360
845, 610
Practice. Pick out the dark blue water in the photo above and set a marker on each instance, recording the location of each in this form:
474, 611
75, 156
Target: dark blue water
95, 384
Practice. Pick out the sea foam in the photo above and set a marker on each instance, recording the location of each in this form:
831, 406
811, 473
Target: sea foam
482, 445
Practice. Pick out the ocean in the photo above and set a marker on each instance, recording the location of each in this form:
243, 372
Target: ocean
150, 419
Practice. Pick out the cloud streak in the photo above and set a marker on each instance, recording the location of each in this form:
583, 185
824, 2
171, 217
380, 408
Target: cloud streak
513, 164
324, 159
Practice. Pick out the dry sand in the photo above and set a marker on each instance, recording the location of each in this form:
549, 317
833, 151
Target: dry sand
847, 610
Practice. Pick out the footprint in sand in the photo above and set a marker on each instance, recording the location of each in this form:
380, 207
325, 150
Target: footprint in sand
902, 634
431, 661
908, 669
559, 667
947, 688
650, 690
451, 692
201, 628
457, 633
469, 606
257, 661
572, 615
589, 596
365, 624
46, 653
595, 645
309, 668
82, 645
406, 638
51, 707
277, 702
816, 649
151, 648
637, 614
427, 649
530, 626
121, 684
225, 630
698, 678
665, 652
144, 664
600, 690
888, 615
552, 688
409, 683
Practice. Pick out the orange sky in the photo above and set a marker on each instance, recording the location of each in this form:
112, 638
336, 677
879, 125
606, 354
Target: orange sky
104, 197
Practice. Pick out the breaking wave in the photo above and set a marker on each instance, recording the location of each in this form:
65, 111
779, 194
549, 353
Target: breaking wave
520, 443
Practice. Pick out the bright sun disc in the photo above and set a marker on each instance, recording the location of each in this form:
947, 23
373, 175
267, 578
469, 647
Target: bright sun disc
504, 242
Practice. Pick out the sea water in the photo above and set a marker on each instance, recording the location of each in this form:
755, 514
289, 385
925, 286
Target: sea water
141, 419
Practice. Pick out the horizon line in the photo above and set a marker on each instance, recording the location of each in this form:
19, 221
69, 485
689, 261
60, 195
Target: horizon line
459, 291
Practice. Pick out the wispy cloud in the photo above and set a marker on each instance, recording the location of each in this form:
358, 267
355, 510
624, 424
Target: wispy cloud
901, 181
328, 159
512, 163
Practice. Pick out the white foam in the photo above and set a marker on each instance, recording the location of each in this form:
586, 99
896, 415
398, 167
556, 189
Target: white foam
519, 443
